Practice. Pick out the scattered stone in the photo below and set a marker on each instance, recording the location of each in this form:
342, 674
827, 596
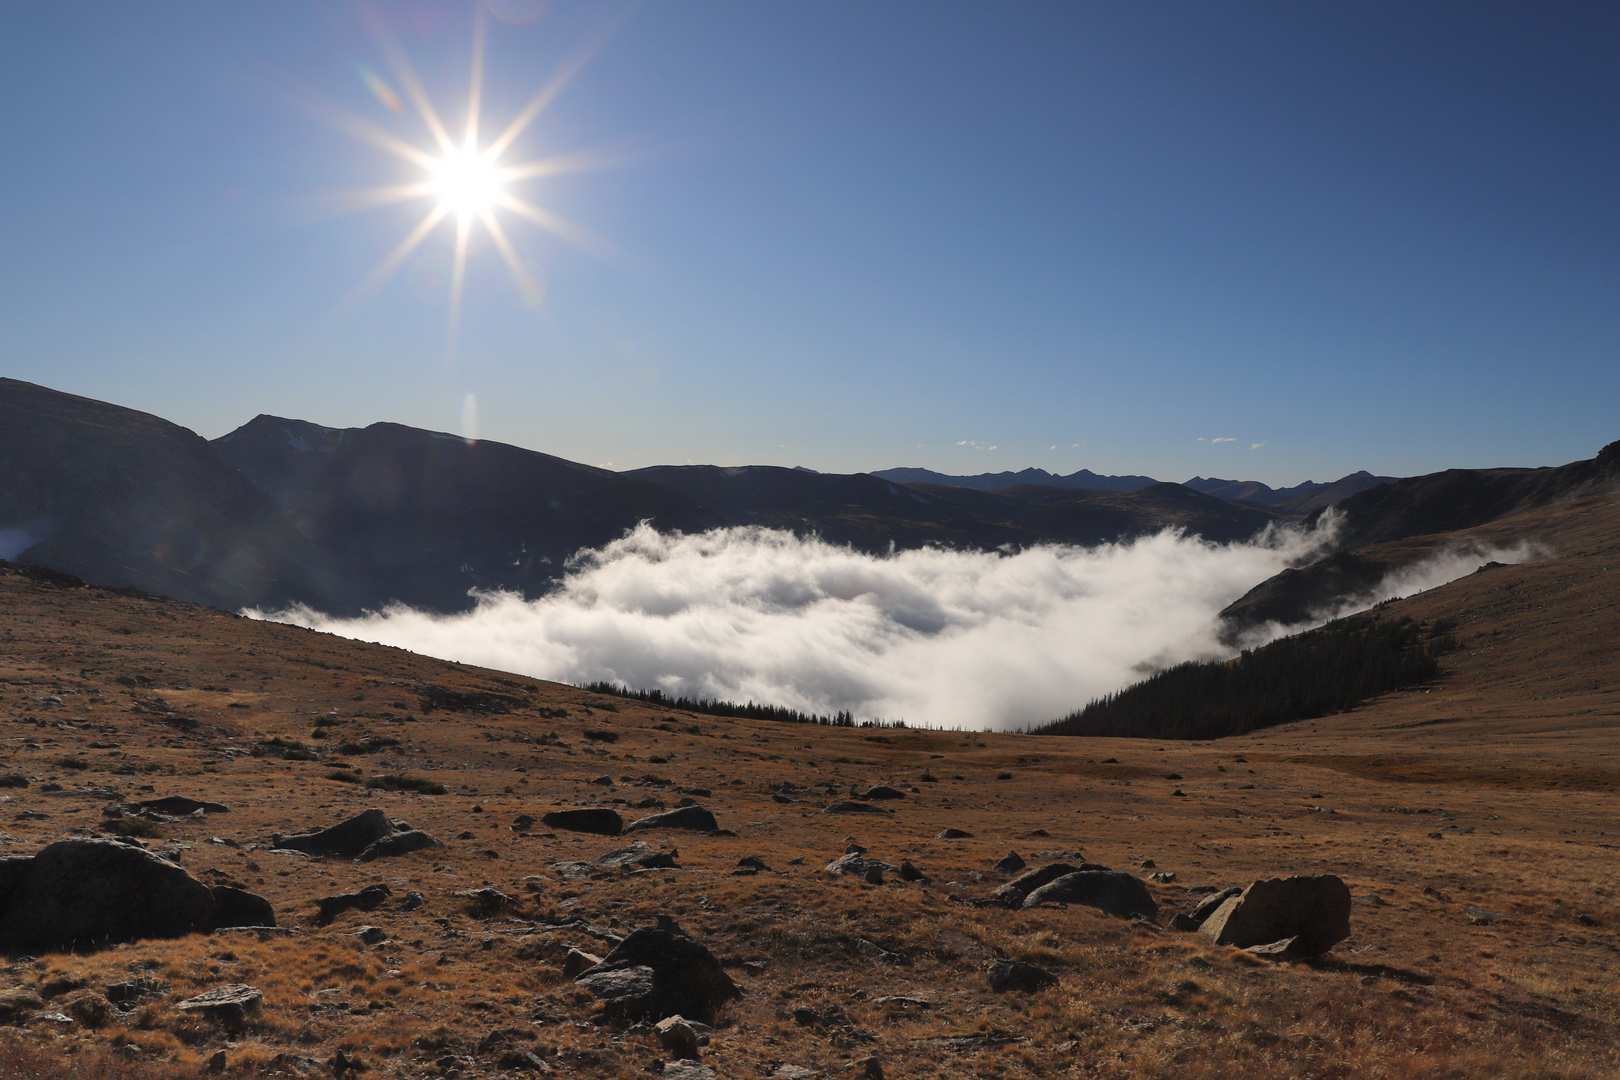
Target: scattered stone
857, 864
881, 791
1370, 900
1164, 877
126, 994
854, 849
954, 834
659, 971
400, 843
1209, 906
850, 806
603, 781
1009, 863
227, 1004
181, 806
869, 1068
1184, 923
488, 902
595, 819
87, 1007
1008, 975
1114, 891
346, 839
687, 1070
521, 1060
751, 863
17, 1003
238, 907
676, 1035
1148, 864
13, 780
343, 1063
1313, 909
369, 898
522, 823
412, 901
1430, 890
84, 893
874, 873
793, 1072
909, 872
1483, 916
877, 953
371, 935
216, 1064
695, 818
638, 856
1024, 884
577, 961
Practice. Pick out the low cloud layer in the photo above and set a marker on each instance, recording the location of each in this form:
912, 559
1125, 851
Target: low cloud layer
942, 638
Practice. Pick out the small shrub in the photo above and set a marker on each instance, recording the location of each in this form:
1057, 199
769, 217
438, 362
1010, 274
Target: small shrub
343, 776
597, 735
401, 782
71, 762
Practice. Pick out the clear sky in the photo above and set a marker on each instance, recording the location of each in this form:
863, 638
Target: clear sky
849, 236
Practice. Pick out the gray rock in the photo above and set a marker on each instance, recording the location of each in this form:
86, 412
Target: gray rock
1314, 909
227, 1004
1030, 880
369, 898
687, 1070
1008, 975
850, 806
787, 1071
694, 818
1114, 891
1183, 922
881, 791
877, 953
1010, 863
858, 865
593, 819
953, 834
238, 907
346, 839
181, 806
79, 894
371, 935
577, 961
1208, 907
638, 856
659, 971
400, 843
874, 874
911, 873
676, 1035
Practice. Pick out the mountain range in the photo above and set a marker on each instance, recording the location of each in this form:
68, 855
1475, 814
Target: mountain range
1299, 499
283, 511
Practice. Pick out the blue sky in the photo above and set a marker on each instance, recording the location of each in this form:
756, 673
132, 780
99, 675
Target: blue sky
849, 235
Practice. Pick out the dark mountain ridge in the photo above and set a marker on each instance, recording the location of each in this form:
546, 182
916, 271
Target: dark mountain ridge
125, 498
1085, 479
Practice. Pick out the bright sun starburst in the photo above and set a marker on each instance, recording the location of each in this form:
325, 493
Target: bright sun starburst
465, 182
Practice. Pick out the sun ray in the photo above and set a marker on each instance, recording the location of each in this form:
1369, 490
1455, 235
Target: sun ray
554, 86
382, 195
418, 96
525, 282
403, 251
475, 92
577, 235
458, 278
367, 132
574, 161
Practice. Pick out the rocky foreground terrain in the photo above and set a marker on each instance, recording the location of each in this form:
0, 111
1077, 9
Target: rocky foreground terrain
824, 901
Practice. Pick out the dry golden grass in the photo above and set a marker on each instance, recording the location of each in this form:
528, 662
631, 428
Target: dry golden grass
1490, 788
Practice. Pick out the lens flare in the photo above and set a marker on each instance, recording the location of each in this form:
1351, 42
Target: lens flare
466, 182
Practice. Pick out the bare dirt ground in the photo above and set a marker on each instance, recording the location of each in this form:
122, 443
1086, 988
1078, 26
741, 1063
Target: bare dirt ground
1474, 818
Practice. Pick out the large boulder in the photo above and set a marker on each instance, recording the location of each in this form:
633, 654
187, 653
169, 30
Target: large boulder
1005, 975
400, 843
638, 856
347, 838
78, 894
13, 868
659, 971
1212, 904
695, 818
1113, 891
591, 819
181, 806
1304, 915
856, 864
238, 907
1030, 880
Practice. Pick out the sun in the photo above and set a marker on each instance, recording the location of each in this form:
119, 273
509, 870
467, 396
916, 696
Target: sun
467, 183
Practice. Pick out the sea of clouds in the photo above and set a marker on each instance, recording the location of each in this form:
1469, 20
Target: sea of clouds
934, 637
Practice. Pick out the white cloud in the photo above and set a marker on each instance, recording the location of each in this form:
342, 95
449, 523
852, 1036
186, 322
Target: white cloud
959, 639
1258, 445
1224, 438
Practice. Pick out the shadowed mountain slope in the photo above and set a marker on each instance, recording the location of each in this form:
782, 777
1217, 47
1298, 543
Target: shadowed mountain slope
1398, 523
872, 513
127, 499
421, 517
